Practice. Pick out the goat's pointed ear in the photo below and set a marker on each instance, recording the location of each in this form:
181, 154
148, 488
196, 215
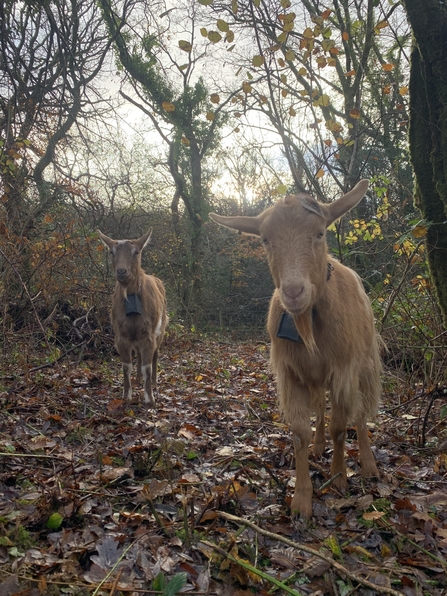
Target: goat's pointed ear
346, 202
106, 240
144, 239
242, 223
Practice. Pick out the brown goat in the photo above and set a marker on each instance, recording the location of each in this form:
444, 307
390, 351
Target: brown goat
322, 333
138, 312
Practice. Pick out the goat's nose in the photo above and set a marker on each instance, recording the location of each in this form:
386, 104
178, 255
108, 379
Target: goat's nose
121, 272
293, 291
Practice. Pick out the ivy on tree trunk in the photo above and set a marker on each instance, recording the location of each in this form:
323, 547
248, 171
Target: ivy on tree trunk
428, 130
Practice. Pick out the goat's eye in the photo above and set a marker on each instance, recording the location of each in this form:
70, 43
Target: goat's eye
265, 241
320, 235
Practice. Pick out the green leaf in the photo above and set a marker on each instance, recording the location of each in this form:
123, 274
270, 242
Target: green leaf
222, 25
175, 585
55, 521
158, 582
214, 36
185, 45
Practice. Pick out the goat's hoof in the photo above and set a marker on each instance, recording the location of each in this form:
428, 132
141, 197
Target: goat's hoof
340, 482
301, 507
318, 448
369, 470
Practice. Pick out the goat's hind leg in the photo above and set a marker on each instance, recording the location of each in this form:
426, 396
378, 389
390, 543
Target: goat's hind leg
367, 461
337, 430
154, 367
147, 372
320, 430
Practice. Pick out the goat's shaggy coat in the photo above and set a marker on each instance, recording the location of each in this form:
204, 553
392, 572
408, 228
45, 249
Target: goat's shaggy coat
339, 352
143, 332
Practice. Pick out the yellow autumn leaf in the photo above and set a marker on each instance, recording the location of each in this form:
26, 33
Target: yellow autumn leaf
284, 92
214, 97
186, 141
302, 71
308, 33
281, 189
403, 90
185, 45
320, 173
204, 32
345, 35
290, 55
381, 25
326, 14
168, 106
419, 231
257, 61
210, 116
355, 113
292, 112
246, 87
387, 67
229, 37
234, 6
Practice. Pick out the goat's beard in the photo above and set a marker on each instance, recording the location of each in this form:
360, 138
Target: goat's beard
304, 325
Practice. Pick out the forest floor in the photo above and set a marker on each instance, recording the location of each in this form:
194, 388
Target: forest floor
98, 496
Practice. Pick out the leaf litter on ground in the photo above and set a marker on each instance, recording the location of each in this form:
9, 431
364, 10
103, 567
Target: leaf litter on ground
144, 495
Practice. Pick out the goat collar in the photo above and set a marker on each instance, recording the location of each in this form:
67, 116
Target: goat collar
287, 328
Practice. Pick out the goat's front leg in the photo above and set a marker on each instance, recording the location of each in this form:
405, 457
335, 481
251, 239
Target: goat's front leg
295, 404
154, 367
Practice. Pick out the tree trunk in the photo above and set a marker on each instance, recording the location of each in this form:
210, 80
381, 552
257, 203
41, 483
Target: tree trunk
428, 130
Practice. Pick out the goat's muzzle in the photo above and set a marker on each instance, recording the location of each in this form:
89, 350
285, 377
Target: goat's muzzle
296, 297
122, 275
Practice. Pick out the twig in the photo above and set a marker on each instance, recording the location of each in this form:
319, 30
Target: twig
330, 481
252, 569
28, 295
307, 549
123, 554
48, 364
34, 455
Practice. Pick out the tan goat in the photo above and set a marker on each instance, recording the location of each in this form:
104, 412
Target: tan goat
138, 313
322, 333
